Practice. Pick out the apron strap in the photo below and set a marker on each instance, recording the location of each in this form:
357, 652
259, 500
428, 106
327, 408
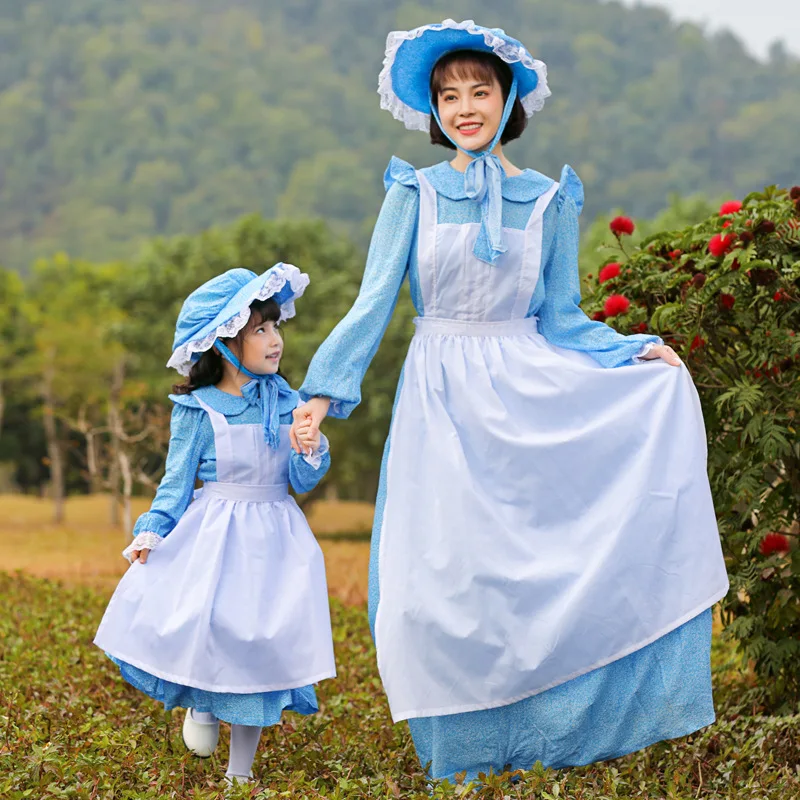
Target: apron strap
223, 443
426, 245
532, 256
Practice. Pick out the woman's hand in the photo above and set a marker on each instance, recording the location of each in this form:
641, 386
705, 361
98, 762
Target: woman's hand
140, 555
308, 418
665, 352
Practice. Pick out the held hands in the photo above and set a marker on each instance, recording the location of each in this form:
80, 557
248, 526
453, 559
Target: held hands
304, 434
308, 441
665, 352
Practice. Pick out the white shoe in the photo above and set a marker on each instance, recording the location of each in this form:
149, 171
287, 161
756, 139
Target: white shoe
200, 737
233, 781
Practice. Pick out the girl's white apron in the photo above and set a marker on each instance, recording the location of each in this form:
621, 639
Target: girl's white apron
235, 598
544, 516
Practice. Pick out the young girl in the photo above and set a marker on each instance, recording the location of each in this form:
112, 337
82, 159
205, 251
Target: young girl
224, 610
545, 552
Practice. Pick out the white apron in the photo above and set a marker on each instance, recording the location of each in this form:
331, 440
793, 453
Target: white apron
235, 598
544, 516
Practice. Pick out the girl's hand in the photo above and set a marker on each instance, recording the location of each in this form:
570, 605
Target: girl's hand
308, 442
665, 352
313, 412
140, 555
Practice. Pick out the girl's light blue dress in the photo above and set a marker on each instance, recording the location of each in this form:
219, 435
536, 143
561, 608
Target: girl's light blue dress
660, 691
192, 456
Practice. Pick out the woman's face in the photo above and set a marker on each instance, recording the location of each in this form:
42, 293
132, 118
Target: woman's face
262, 349
471, 110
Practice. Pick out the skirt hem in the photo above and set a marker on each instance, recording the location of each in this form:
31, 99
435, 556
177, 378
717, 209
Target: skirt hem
648, 741
180, 680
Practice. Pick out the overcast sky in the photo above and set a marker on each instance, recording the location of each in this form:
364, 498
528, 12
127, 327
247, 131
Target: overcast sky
757, 23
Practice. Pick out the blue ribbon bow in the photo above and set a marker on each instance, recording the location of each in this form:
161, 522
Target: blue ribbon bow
483, 182
264, 392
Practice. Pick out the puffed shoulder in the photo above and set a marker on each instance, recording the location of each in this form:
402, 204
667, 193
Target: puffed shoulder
185, 400
570, 186
400, 171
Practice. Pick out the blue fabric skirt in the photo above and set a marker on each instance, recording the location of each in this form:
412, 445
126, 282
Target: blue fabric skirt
662, 691
262, 709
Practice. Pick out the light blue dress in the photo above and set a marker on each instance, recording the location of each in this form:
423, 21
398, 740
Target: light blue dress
660, 691
191, 456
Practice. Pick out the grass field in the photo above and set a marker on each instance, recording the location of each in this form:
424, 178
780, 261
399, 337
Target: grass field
71, 728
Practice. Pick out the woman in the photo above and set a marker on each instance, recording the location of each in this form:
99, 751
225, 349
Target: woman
545, 552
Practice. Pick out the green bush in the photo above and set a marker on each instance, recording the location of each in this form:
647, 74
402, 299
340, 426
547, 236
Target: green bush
726, 294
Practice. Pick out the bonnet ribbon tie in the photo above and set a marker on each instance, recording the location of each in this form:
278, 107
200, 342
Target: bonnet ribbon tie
483, 182
263, 392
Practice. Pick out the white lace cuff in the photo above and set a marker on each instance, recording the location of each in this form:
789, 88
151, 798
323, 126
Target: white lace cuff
640, 356
314, 458
145, 540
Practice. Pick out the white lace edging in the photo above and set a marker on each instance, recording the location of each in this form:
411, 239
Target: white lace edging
145, 540
314, 458
277, 278
421, 121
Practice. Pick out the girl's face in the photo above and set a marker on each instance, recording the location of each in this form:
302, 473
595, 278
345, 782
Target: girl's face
471, 111
262, 348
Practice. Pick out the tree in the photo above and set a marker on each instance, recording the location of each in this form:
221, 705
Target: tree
71, 321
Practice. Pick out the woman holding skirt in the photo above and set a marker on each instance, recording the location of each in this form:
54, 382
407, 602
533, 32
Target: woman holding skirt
545, 552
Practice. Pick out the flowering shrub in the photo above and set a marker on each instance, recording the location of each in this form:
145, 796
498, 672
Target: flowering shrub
725, 293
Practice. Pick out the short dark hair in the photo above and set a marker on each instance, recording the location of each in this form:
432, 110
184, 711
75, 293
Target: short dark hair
481, 66
208, 369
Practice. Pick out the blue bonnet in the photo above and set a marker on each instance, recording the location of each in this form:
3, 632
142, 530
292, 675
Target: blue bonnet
220, 308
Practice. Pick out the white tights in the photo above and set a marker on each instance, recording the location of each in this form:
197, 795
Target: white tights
244, 741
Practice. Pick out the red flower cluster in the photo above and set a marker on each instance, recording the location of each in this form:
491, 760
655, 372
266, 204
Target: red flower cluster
599, 316
616, 304
640, 328
675, 254
780, 296
609, 271
730, 207
727, 301
622, 225
774, 543
697, 343
720, 245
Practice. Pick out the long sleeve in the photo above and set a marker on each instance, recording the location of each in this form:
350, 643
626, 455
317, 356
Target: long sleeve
177, 486
338, 367
305, 471
561, 319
